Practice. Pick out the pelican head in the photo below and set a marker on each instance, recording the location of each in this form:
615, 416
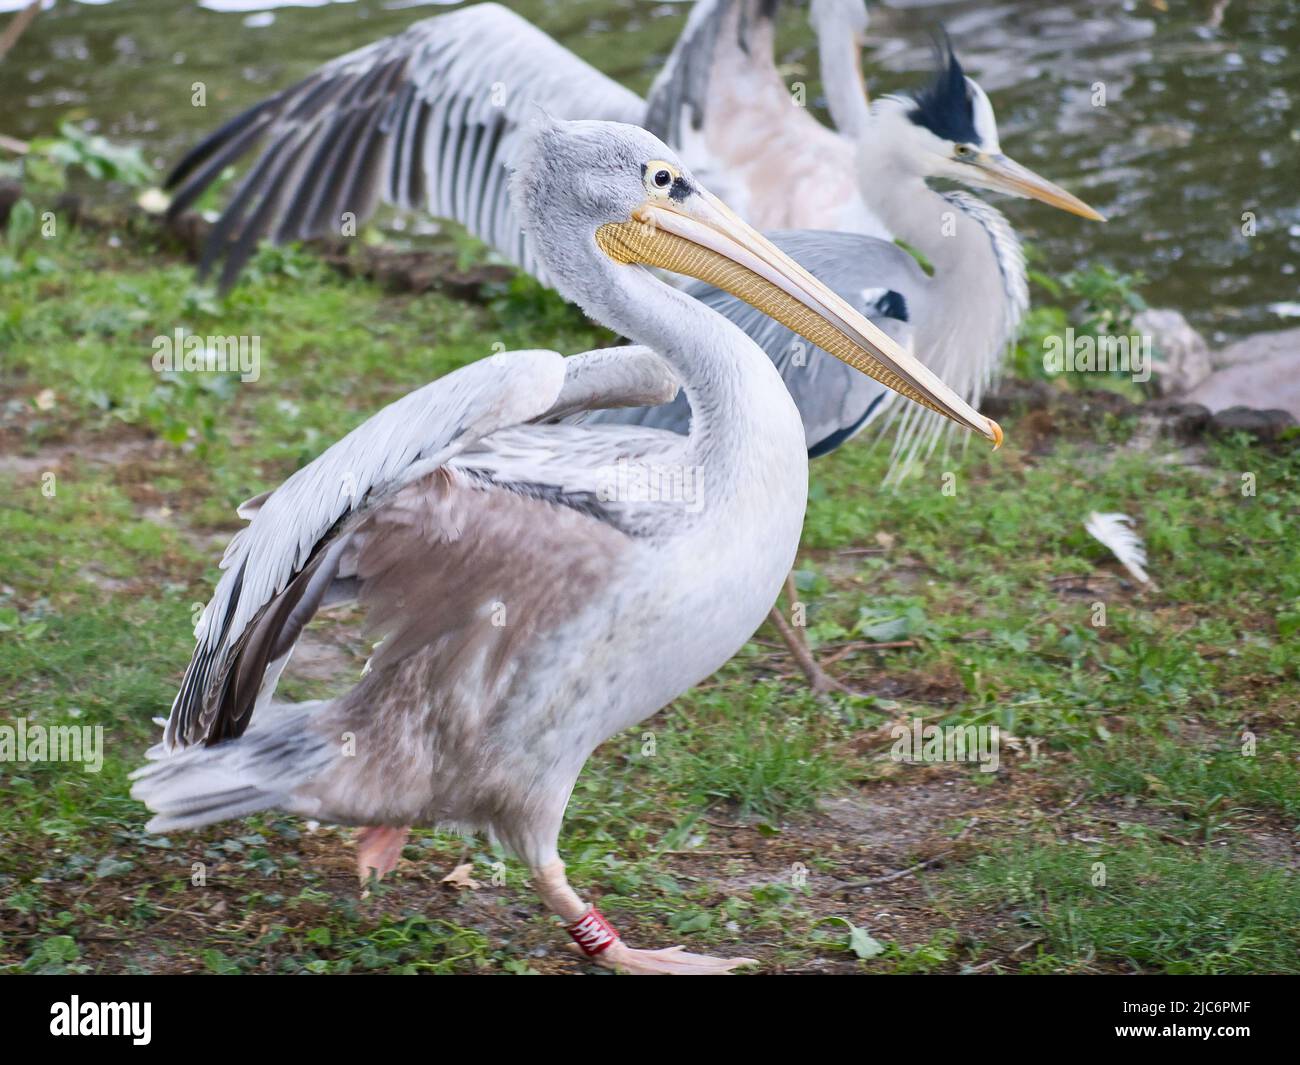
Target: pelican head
947, 130
596, 197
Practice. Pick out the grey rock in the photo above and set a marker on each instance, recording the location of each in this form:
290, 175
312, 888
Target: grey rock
1178, 418
1273, 382
1261, 347
1182, 357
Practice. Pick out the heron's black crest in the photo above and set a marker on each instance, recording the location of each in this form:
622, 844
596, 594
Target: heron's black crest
944, 107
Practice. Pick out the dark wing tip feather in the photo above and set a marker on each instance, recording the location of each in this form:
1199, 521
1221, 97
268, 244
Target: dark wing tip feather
217, 139
211, 711
311, 120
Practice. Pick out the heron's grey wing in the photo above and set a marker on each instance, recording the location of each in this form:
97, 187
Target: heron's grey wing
969, 363
279, 567
834, 400
426, 119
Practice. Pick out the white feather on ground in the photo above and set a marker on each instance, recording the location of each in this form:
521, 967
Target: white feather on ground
1114, 531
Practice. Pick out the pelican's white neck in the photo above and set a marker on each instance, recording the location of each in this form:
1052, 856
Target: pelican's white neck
743, 421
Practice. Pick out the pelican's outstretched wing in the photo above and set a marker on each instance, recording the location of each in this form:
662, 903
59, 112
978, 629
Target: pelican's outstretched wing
835, 401
361, 516
632, 376
424, 119
249, 623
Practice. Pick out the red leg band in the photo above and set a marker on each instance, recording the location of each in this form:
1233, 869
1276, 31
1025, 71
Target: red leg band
592, 932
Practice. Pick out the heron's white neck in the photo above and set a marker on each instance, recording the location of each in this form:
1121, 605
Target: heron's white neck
979, 267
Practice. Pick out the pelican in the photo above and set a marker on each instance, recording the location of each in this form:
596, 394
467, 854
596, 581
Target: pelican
523, 608
429, 120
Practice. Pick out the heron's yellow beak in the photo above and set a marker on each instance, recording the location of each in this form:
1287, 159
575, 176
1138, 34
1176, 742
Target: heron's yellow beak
704, 239
1002, 174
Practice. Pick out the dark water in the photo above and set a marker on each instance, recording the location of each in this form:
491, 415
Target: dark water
1201, 122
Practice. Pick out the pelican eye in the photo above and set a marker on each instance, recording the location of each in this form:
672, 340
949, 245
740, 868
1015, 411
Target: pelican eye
660, 177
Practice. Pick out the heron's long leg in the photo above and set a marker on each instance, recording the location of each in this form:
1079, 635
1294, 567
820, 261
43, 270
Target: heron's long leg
595, 937
793, 637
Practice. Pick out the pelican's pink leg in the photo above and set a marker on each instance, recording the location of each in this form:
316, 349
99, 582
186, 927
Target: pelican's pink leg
596, 938
379, 849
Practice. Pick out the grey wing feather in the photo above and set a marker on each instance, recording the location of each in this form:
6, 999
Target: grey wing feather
279, 568
427, 119
834, 400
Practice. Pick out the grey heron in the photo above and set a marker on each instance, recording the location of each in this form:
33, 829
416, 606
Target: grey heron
523, 609
961, 319
429, 119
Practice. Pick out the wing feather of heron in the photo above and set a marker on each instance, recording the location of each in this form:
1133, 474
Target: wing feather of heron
835, 402
971, 367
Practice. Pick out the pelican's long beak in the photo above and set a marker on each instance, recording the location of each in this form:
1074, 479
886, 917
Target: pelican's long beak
704, 239
998, 172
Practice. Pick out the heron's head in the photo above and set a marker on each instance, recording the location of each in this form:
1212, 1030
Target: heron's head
947, 130
600, 201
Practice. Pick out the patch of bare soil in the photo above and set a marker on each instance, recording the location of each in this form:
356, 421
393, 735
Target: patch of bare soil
26, 462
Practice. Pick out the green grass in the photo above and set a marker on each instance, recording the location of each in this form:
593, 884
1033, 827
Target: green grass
1204, 783
1158, 909
768, 754
704, 824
